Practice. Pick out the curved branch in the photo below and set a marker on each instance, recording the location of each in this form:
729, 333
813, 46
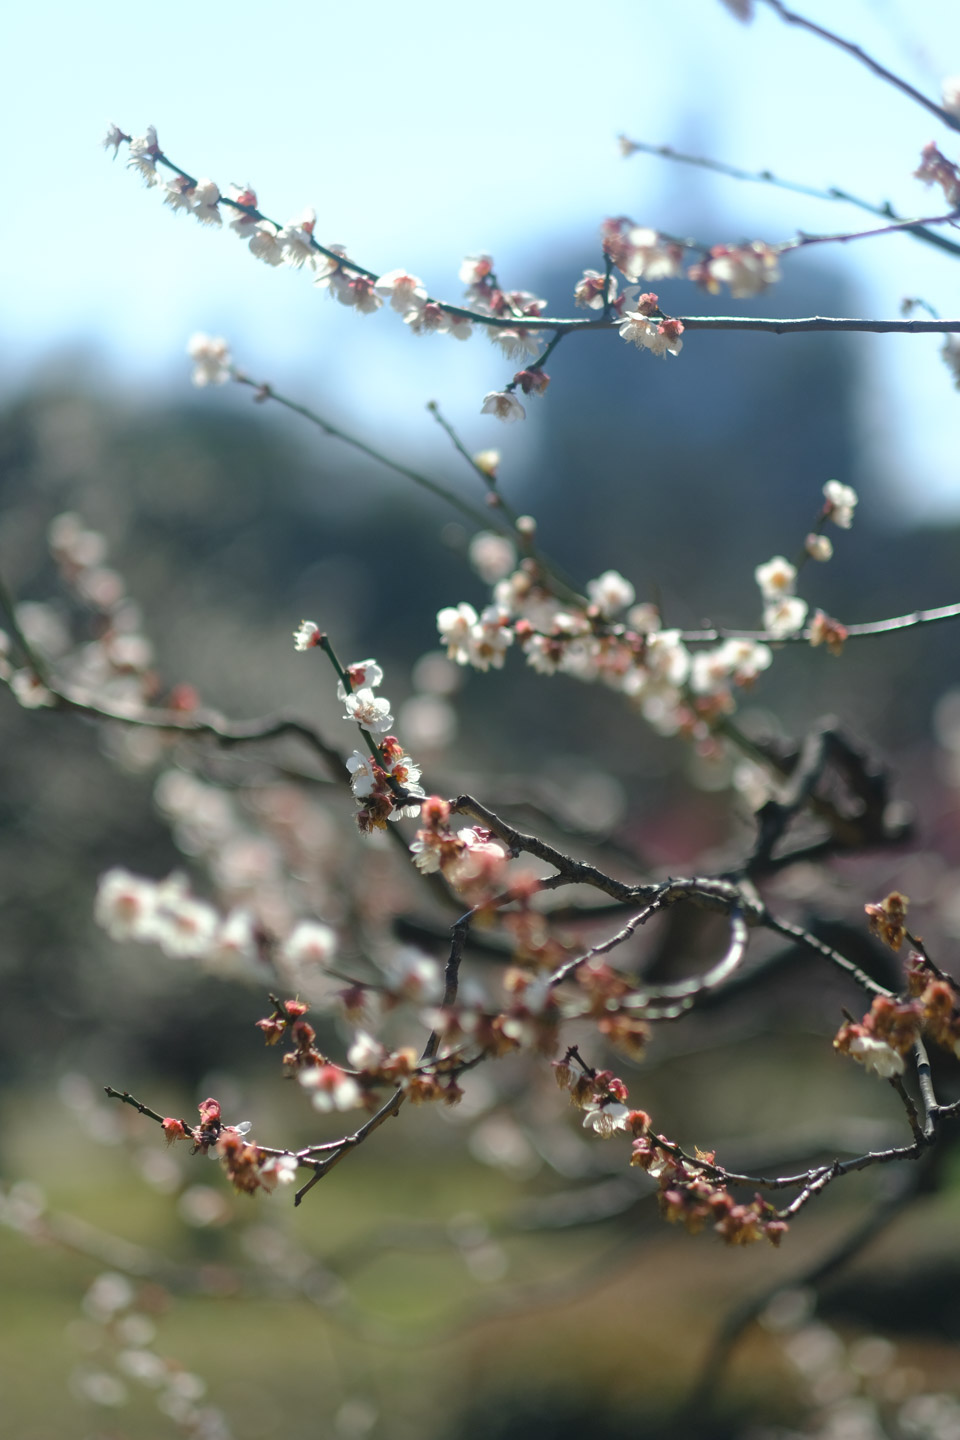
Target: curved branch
790, 17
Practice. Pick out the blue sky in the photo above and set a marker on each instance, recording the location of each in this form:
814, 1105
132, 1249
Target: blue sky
428, 131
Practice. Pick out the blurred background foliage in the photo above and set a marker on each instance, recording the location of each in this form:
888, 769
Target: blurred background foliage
230, 522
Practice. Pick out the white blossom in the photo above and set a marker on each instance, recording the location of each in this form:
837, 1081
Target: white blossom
365, 1053
184, 926
306, 636
142, 155
877, 1056
278, 1170
206, 201
504, 405
125, 905
455, 624
818, 547
785, 616
331, 1087
362, 777
309, 943
475, 269
611, 593
649, 334
369, 710
588, 291
776, 578
841, 501
605, 1119
296, 239
650, 257
211, 359
747, 269
404, 292
114, 138
516, 342
265, 243
492, 556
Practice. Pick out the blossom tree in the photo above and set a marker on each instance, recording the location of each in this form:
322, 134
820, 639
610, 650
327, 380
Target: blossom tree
438, 939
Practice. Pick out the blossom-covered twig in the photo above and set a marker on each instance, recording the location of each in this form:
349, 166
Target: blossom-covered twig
767, 177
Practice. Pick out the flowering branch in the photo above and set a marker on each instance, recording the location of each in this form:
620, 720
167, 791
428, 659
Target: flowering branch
767, 177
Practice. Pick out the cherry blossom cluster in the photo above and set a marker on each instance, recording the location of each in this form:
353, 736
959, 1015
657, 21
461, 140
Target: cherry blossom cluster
247, 1167
883, 1038
691, 1193
385, 784
471, 859
133, 908
886, 1034
675, 690
692, 1197
644, 254
784, 613
106, 653
373, 1065
120, 1343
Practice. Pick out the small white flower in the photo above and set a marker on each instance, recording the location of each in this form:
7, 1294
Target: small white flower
504, 405
265, 243
475, 269
363, 780
114, 138
306, 636
184, 926
365, 1053
785, 617
516, 342
125, 905
747, 269
206, 200
404, 292
650, 257
841, 500
236, 944
211, 359
310, 943
776, 579
818, 547
142, 155
492, 556
588, 292
296, 239
414, 976
611, 593
455, 624
877, 1056
332, 1088
279, 1170
605, 1119
369, 710
362, 673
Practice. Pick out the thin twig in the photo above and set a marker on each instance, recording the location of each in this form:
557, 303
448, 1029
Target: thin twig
790, 17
